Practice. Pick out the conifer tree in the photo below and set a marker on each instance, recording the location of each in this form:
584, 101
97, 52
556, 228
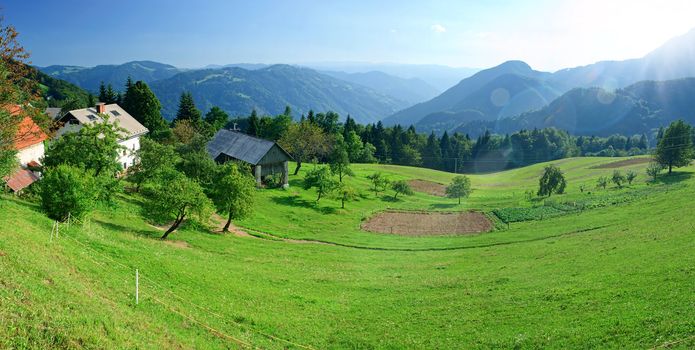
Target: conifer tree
188, 111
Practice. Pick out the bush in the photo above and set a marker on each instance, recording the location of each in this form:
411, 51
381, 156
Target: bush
67, 191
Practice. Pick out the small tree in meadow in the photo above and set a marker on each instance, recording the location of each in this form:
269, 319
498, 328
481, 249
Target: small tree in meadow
630, 176
232, 192
460, 187
618, 178
552, 181
339, 160
346, 193
322, 179
654, 169
675, 148
379, 183
67, 191
177, 197
602, 182
401, 186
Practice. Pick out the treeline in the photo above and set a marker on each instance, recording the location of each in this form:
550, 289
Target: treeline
449, 152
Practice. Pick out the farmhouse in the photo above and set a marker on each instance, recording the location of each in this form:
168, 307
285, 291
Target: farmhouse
73, 121
30, 149
266, 157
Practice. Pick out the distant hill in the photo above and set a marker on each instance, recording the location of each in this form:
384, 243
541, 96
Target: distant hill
438, 76
116, 75
412, 90
56, 91
639, 108
467, 94
270, 89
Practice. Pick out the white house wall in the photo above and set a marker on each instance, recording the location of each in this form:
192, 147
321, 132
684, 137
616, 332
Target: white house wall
128, 155
33, 152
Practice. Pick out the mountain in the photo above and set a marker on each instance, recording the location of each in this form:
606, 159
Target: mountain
673, 60
467, 94
57, 91
639, 108
248, 66
438, 76
270, 89
116, 75
411, 90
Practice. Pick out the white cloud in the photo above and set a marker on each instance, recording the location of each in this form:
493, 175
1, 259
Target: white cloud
438, 28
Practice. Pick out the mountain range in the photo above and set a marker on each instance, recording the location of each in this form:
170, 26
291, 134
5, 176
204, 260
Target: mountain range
504, 98
520, 89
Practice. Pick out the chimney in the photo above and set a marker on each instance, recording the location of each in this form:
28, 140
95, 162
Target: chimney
101, 107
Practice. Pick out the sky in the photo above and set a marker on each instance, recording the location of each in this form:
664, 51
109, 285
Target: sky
549, 35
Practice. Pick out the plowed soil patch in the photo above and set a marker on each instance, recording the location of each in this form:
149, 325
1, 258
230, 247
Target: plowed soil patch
622, 163
428, 224
429, 187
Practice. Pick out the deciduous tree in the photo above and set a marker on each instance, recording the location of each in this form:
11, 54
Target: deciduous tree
552, 181
618, 178
379, 182
304, 141
67, 191
232, 192
460, 187
675, 148
401, 186
320, 177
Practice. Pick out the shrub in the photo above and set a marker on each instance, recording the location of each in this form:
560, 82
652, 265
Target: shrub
67, 191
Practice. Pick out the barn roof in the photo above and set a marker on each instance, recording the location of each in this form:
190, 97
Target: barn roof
240, 146
20, 179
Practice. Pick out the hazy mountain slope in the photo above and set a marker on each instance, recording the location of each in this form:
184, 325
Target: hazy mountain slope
505, 96
411, 90
454, 96
116, 75
270, 89
640, 108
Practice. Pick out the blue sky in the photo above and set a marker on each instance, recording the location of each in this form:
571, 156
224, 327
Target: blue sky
549, 35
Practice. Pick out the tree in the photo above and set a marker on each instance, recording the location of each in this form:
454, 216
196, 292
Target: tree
401, 186
630, 176
460, 187
379, 183
339, 159
177, 197
232, 192
107, 94
654, 169
15, 90
216, 118
602, 182
320, 177
346, 193
188, 111
618, 178
254, 124
140, 102
67, 191
94, 147
675, 148
155, 159
196, 162
552, 181
304, 141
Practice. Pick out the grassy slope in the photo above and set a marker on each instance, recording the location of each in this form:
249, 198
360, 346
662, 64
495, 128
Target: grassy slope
629, 284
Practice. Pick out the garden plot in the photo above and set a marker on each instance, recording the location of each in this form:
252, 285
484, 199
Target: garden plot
429, 187
427, 223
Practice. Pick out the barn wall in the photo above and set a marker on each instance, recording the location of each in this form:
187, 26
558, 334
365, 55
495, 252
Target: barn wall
274, 156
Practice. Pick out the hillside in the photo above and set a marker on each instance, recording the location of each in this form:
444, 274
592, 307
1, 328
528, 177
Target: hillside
636, 109
56, 90
116, 75
270, 89
595, 278
413, 90
455, 98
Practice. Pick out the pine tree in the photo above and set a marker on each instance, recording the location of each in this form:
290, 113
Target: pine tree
254, 124
432, 154
102, 92
140, 102
188, 111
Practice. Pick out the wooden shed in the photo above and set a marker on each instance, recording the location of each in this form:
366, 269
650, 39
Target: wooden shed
266, 157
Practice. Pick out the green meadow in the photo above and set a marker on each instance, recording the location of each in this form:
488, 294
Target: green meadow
605, 268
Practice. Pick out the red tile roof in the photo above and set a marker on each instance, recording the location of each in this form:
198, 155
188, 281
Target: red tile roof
29, 134
20, 180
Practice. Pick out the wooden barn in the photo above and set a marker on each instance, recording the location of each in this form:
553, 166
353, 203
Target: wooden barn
266, 157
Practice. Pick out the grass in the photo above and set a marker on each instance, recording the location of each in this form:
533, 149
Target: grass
619, 276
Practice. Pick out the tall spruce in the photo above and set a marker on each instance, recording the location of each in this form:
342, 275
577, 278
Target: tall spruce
140, 102
188, 111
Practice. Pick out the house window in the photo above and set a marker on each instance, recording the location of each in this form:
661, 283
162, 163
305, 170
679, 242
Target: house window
125, 165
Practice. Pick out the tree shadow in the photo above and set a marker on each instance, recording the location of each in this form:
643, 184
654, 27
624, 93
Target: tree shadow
390, 199
153, 233
296, 201
443, 205
674, 177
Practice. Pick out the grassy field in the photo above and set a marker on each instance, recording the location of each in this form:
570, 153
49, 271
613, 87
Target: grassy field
616, 276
